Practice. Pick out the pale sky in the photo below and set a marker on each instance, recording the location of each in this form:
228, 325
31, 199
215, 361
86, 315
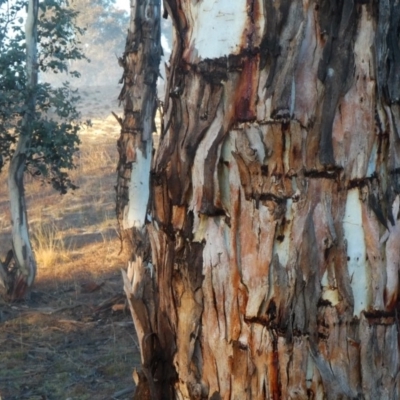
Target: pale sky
124, 4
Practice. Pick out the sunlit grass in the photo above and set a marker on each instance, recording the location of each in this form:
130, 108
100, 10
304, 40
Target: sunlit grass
48, 246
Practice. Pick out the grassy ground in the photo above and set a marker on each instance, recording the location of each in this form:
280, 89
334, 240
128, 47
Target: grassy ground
73, 339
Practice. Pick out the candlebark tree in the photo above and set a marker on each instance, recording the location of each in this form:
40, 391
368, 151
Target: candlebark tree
265, 241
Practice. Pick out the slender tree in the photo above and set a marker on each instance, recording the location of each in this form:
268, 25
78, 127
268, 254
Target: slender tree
20, 236
39, 124
273, 218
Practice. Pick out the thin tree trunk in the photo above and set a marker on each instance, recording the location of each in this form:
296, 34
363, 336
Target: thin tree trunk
24, 274
275, 204
139, 97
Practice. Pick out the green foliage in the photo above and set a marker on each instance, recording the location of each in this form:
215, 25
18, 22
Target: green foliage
55, 140
59, 37
56, 122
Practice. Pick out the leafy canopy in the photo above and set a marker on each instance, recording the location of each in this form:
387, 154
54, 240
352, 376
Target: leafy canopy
56, 122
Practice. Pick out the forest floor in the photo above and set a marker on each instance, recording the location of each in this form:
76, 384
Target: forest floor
73, 338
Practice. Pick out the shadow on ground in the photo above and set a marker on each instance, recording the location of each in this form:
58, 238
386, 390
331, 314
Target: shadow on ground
72, 339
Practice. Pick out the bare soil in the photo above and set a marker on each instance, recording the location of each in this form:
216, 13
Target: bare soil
73, 338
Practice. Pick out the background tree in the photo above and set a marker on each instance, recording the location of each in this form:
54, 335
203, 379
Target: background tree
273, 219
39, 123
103, 40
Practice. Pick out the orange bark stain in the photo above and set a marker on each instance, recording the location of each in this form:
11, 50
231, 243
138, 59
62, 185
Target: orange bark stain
178, 217
246, 92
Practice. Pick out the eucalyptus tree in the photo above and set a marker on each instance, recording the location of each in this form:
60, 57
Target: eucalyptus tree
20, 236
39, 124
265, 229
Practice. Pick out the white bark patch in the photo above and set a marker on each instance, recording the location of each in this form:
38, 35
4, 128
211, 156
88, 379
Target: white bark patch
393, 257
356, 252
218, 28
282, 248
139, 191
331, 294
255, 138
20, 237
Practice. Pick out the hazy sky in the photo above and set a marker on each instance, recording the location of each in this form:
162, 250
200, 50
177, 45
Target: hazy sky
124, 4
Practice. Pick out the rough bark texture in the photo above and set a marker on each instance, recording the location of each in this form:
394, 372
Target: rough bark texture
18, 279
275, 228
140, 62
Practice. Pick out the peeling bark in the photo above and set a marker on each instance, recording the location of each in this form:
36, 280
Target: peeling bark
140, 62
275, 203
141, 69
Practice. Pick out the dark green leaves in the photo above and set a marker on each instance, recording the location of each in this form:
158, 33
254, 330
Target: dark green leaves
56, 121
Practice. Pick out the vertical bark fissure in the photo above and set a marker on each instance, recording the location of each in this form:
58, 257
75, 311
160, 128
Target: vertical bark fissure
276, 191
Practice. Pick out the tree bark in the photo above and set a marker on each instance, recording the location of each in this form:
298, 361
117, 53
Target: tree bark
140, 62
275, 199
22, 276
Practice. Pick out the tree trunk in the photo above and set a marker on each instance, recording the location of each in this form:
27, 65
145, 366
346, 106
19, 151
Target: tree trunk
140, 62
22, 277
275, 199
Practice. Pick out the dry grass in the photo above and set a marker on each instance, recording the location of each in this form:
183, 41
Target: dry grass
66, 342
49, 246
